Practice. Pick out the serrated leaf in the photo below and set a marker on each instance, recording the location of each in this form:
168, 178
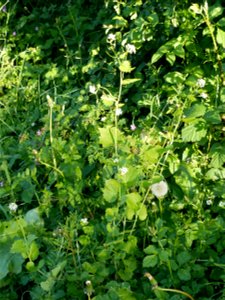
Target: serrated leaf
130, 81
125, 66
150, 261
213, 117
184, 274
20, 246
111, 190
196, 110
150, 155
215, 174
107, 136
183, 257
220, 37
217, 153
195, 131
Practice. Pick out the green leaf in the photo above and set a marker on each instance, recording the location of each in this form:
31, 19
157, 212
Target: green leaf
184, 274
48, 284
130, 81
215, 11
151, 250
108, 100
142, 213
174, 77
20, 246
33, 251
125, 66
107, 136
183, 257
150, 155
111, 190
150, 261
133, 201
195, 131
196, 110
213, 117
170, 57
220, 37
215, 174
217, 153
32, 217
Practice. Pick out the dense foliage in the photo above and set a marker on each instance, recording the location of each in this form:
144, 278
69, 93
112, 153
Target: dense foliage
112, 150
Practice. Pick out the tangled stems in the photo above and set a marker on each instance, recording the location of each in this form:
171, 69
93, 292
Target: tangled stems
157, 288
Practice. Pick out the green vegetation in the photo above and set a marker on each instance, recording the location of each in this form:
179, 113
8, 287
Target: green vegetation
112, 150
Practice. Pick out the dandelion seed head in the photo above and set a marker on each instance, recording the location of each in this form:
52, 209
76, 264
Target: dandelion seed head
159, 189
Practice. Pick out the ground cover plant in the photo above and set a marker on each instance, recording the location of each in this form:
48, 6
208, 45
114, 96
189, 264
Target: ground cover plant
112, 150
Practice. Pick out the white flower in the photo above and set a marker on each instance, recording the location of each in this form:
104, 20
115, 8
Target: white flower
88, 282
123, 170
222, 204
111, 37
103, 119
133, 127
130, 49
92, 89
204, 95
209, 202
201, 83
159, 189
13, 207
84, 221
116, 160
119, 112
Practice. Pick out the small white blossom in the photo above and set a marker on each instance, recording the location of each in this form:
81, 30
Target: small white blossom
111, 37
92, 89
103, 119
209, 202
119, 112
116, 160
201, 83
13, 207
123, 170
204, 95
133, 127
130, 49
159, 189
222, 204
84, 221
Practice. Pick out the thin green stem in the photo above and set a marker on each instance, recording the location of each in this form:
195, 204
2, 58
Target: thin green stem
116, 114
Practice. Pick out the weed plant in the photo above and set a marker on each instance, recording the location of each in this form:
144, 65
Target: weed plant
112, 150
